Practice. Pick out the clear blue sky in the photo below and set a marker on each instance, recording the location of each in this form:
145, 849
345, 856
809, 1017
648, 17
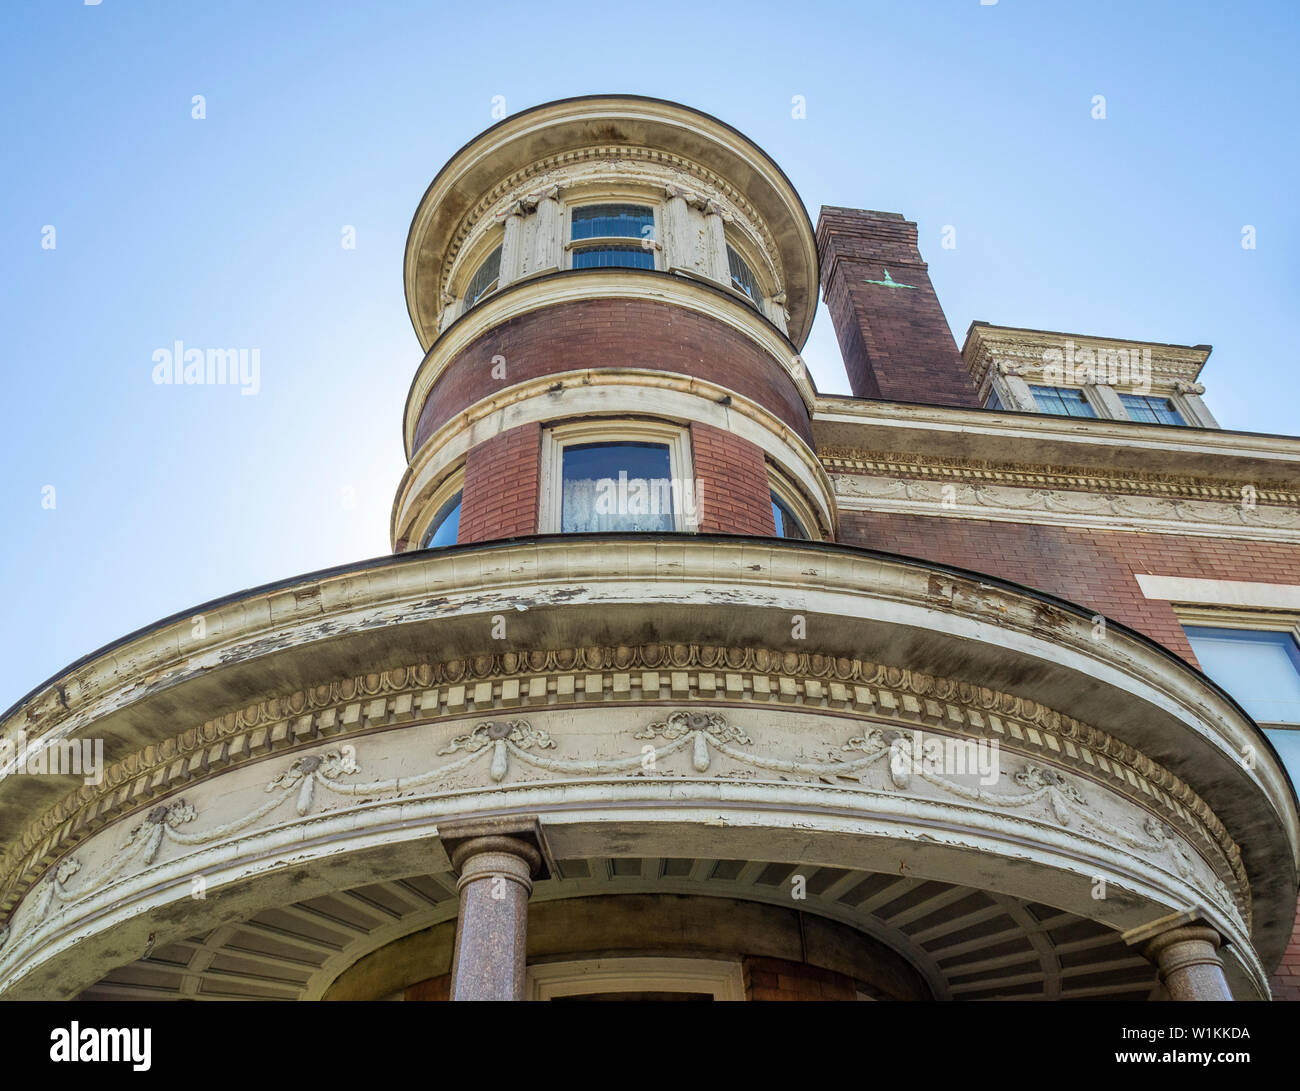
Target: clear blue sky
226, 232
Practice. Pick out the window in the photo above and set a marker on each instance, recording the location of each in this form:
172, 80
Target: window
613, 257
787, 524
616, 486
1261, 669
617, 475
742, 278
445, 528
1062, 401
594, 226
994, 402
1143, 407
485, 280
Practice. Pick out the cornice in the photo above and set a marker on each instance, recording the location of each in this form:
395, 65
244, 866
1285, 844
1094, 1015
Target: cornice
986, 345
1157, 503
621, 164
630, 125
628, 674
1124, 446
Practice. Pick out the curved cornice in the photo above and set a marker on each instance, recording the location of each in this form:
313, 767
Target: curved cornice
857, 604
609, 121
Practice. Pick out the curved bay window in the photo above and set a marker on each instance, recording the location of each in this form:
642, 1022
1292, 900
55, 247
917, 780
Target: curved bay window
743, 279
597, 235
606, 476
787, 523
485, 279
445, 528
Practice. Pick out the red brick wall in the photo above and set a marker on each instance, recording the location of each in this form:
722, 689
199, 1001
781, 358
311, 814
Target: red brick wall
1286, 982
734, 494
1093, 568
895, 342
778, 979
612, 333
502, 477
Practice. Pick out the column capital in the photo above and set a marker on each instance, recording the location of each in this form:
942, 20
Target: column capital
511, 835
1184, 947
1145, 933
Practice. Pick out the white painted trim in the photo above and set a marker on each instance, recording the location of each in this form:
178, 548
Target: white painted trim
722, 980
1265, 596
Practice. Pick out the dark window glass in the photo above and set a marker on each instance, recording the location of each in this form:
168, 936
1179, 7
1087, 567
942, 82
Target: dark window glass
612, 221
446, 525
1062, 401
1150, 410
614, 257
616, 486
994, 401
742, 277
485, 279
787, 526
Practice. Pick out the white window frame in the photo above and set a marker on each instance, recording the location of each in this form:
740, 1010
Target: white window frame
723, 980
555, 439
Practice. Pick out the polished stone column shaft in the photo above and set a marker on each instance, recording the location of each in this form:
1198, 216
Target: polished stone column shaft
496, 879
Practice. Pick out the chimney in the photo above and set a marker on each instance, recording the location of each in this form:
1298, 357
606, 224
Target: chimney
892, 332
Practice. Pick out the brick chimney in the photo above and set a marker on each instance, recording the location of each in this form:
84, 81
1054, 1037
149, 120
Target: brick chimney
892, 332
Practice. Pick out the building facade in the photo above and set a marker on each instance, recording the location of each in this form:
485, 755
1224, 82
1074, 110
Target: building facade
685, 680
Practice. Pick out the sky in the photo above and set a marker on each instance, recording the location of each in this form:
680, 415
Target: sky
127, 500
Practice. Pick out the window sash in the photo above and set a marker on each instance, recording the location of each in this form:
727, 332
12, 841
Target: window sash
1259, 667
485, 279
612, 221
613, 257
1062, 401
1149, 410
742, 277
445, 525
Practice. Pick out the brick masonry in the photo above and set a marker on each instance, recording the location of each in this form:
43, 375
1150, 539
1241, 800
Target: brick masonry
613, 333
896, 342
502, 480
1094, 568
735, 497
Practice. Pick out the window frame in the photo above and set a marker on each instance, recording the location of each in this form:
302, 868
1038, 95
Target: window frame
450, 485
793, 498
676, 437
1098, 411
1168, 399
1223, 617
604, 241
